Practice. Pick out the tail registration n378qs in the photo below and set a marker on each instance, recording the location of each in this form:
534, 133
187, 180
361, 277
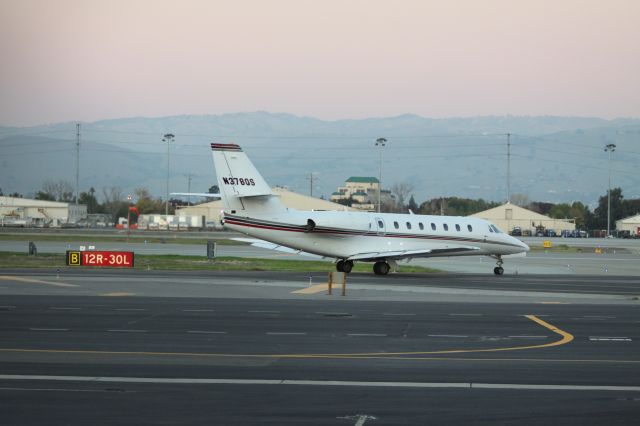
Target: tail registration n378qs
252, 208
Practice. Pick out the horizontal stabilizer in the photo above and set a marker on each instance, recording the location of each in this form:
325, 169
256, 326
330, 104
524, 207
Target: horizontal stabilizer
197, 194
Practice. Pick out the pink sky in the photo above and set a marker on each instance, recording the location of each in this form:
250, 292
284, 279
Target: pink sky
67, 60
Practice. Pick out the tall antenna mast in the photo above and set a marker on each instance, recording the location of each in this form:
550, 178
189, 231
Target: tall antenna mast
508, 167
77, 162
310, 178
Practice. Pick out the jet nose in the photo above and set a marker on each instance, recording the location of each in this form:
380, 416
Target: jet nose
524, 246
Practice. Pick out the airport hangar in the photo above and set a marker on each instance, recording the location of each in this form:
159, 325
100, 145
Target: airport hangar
507, 216
16, 211
630, 224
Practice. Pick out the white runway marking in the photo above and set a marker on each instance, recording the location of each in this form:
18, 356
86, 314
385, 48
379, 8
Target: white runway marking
344, 383
609, 339
447, 335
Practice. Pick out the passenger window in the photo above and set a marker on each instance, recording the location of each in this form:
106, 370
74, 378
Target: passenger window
469, 228
395, 225
380, 224
433, 226
446, 227
457, 227
421, 226
408, 225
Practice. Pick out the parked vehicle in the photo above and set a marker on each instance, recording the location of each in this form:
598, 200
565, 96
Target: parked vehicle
516, 231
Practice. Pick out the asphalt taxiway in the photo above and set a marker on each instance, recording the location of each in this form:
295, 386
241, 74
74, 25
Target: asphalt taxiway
149, 347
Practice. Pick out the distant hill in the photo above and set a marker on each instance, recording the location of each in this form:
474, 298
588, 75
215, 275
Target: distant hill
553, 158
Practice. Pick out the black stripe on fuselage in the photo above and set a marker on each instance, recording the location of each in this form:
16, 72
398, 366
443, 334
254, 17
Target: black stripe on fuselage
277, 226
225, 147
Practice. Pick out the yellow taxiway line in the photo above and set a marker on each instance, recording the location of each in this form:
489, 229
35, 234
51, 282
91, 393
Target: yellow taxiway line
34, 281
566, 338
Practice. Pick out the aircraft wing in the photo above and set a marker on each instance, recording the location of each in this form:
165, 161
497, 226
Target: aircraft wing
407, 254
272, 246
198, 194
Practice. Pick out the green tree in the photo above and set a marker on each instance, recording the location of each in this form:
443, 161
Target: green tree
145, 203
413, 206
600, 212
90, 200
41, 195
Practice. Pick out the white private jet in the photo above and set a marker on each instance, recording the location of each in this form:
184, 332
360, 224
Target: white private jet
251, 207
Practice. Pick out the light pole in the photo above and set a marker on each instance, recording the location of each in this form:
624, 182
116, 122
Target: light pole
129, 198
168, 138
609, 148
381, 143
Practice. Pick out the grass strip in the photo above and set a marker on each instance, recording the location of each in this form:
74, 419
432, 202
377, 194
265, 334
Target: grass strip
117, 238
195, 263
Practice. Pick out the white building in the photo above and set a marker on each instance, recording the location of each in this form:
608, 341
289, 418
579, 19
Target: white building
29, 212
630, 224
363, 190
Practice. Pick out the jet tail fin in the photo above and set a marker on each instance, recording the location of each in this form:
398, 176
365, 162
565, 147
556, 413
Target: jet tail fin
242, 188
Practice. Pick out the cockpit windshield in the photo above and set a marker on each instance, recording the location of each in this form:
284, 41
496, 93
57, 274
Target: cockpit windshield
495, 229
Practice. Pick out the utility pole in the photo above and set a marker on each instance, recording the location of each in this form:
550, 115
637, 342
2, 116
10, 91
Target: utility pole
381, 143
189, 189
168, 138
609, 148
508, 167
77, 162
310, 179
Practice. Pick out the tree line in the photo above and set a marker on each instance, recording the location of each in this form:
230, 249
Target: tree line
116, 204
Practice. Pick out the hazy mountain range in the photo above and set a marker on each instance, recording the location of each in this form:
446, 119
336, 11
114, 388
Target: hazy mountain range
555, 159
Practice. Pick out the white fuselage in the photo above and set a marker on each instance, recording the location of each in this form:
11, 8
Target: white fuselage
341, 234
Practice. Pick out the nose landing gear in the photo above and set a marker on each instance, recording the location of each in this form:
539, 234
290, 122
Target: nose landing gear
498, 270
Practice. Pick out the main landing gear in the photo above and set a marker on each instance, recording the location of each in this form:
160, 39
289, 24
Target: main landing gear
498, 270
381, 268
344, 266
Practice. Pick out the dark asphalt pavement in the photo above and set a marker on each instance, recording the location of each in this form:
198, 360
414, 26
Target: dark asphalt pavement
256, 339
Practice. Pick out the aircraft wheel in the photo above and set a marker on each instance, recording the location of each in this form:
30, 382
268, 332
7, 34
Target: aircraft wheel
340, 266
347, 266
498, 270
381, 268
